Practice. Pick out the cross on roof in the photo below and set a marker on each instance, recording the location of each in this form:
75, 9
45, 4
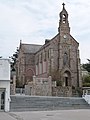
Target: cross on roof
63, 5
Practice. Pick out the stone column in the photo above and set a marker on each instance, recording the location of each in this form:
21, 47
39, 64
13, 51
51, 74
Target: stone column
34, 85
14, 84
50, 85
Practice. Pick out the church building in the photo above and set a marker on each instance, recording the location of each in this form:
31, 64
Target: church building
58, 57
60, 54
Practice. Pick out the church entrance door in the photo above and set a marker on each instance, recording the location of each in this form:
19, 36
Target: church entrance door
67, 79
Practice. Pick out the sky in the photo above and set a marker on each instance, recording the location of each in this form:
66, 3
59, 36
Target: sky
33, 21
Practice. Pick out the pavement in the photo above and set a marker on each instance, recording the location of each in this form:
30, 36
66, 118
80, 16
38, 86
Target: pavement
81, 114
6, 116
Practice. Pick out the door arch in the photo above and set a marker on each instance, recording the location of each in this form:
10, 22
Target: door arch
66, 79
29, 75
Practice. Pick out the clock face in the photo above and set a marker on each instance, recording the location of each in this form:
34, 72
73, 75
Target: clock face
65, 36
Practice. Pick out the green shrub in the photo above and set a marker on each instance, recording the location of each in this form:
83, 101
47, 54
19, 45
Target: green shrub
59, 83
86, 79
86, 84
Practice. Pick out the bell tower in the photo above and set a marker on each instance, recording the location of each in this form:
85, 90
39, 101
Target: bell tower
64, 41
63, 23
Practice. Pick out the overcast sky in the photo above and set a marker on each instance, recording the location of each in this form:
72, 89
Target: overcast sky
33, 21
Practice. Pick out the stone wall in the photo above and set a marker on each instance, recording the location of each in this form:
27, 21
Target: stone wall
13, 86
62, 91
39, 86
12, 89
45, 87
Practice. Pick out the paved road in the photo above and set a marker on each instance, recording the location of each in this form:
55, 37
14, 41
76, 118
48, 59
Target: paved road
47, 115
6, 116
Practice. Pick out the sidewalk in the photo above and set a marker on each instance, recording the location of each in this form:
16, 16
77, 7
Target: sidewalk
6, 116
56, 115
47, 115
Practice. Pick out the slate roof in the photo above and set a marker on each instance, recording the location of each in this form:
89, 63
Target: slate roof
30, 48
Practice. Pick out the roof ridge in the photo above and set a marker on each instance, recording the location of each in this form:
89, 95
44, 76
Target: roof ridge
31, 44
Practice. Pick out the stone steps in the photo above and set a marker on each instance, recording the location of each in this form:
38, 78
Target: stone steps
32, 103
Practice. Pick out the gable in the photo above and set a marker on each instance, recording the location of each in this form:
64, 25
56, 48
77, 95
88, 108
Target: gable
29, 48
73, 41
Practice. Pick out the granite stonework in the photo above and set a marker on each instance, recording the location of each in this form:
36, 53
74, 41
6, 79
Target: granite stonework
62, 91
46, 87
61, 54
39, 86
13, 85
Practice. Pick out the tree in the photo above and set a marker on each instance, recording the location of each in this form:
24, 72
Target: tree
13, 60
13, 66
55, 74
86, 81
87, 65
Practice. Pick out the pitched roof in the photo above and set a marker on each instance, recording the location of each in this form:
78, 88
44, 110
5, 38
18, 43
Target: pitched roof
30, 48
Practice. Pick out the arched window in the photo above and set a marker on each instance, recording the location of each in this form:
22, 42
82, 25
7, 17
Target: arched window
64, 18
65, 58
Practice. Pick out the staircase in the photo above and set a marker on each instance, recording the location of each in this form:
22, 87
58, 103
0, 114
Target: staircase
41, 103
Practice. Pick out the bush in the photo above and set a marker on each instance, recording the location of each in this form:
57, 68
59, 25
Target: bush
86, 85
79, 90
87, 79
59, 83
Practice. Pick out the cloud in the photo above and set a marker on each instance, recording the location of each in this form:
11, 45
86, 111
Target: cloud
33, 21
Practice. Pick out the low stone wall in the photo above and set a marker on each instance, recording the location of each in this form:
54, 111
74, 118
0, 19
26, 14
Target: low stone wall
39, 86
45, 87
12, 89
13, 86
62, 91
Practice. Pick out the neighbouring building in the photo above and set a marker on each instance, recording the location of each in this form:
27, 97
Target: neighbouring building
58, 58
4, 84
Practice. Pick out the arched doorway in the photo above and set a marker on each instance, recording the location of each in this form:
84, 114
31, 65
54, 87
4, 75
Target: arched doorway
29, 75
66, 79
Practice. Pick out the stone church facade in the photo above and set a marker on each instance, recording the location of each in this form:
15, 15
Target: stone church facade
25, 65
58, 58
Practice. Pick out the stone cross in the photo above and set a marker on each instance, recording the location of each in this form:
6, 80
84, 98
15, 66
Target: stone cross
63, 5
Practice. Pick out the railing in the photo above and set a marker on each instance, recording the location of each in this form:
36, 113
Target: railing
86, 94
20, 91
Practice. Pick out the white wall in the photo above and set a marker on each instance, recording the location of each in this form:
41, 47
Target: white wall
4, 69
6, 85
5, 80
87, 98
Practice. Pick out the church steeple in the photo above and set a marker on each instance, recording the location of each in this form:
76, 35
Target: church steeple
63, 23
